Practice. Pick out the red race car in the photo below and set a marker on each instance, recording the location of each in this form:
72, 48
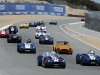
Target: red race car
82, 19
4, 33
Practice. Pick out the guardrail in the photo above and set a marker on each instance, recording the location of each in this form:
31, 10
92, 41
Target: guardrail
31, 8
93, 20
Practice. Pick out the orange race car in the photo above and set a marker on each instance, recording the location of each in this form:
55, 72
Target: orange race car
62, 47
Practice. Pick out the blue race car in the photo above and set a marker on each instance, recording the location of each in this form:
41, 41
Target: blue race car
54, 22
89, 58
33, 24
51, 59
14, 38
46, 39
26, 47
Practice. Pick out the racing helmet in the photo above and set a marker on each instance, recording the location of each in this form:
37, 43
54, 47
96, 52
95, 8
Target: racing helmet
91, 52
25, 22
29, 41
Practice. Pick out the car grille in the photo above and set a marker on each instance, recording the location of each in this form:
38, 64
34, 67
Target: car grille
64, 50
56, 63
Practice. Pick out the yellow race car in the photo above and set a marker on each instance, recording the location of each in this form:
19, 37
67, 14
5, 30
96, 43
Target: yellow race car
62, 47
24, 26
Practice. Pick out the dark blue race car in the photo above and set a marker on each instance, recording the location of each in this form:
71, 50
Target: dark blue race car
40, 23
54, 22
46, 39
33, 24
89, 58
26, 47
14, 38
51, 59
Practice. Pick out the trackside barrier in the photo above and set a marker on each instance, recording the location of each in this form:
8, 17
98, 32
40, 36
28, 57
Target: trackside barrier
31, 8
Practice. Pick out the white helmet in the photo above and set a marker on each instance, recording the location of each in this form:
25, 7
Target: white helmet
25, 22
91, 52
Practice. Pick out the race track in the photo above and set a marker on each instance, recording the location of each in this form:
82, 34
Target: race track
13, 63
83, 30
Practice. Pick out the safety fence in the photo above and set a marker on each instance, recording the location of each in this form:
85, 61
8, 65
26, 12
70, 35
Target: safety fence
32, 8
93, 20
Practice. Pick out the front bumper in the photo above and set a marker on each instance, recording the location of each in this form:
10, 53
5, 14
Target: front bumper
46, 41
14, 39
28, 50
55, 64
91, 62
65, 51
3, 35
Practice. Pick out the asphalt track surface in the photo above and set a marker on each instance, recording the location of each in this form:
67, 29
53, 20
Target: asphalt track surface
13, 63
87, 32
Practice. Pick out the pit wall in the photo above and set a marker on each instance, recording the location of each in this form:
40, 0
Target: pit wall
31, 8
93, 20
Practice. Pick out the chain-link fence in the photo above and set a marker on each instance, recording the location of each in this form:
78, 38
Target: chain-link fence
93, 20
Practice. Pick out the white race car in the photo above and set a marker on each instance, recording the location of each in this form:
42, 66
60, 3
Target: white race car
40, 28
40, 32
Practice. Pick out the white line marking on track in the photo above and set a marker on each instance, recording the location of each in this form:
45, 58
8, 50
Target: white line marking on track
78, 32
77, 38
89, 30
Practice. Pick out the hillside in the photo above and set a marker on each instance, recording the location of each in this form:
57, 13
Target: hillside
69, 10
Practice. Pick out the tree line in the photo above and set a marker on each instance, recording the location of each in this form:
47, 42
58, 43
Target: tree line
88, 3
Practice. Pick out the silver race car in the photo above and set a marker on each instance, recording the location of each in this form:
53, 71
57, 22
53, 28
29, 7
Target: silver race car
40, 32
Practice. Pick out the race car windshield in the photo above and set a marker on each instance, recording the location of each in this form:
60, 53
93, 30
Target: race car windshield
55, 55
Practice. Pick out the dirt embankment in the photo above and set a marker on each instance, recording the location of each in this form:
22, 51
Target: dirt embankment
8, 19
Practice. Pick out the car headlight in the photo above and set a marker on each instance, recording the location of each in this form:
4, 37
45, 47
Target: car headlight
63, 60
33, 47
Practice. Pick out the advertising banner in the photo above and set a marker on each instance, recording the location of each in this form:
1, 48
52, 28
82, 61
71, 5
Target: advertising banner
32, 8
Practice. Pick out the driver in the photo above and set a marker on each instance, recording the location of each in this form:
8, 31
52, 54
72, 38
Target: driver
25, 22
91, 52
65, 43
29, 41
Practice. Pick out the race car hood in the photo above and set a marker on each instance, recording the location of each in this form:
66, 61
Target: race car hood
92, 56
64, 47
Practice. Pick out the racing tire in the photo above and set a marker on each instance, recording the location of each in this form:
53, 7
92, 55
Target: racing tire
34, 52
44, 65
19, 41
40, 42
71, 52
53, 49
38, 63
82, 63
19, 51
77, 62
36, 37
8, 40
64, 66
51, 43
